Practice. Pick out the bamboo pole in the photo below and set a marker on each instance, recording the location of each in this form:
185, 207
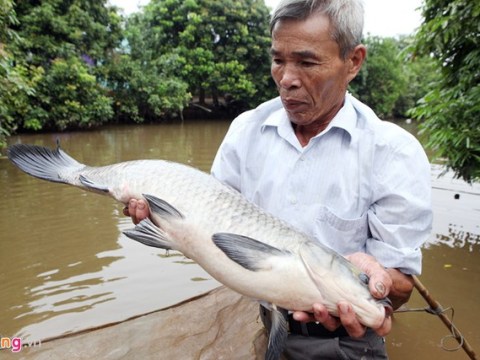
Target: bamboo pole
437, 309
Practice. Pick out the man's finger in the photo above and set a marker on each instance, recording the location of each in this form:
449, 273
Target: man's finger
381, 291
380, 281
303, 316
349, 320
322, 316
142, 210
385, 328
132, 210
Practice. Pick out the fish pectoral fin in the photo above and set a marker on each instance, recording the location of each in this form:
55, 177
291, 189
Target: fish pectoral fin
162, 208
278, 334
147, 233
245, 251
92, 185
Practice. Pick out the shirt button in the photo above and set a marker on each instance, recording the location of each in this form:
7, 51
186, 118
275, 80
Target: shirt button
293, 200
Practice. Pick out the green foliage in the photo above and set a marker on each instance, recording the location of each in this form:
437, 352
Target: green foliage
69, 64
389, 81
419, 73
8, 18
68, 96
380, 82
222, 46
52, 56
145, 91
15, 84
60, 29
451, 111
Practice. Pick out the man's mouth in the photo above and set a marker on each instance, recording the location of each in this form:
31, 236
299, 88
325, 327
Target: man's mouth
291, 104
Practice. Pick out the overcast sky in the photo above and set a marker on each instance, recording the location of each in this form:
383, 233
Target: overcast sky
382, 17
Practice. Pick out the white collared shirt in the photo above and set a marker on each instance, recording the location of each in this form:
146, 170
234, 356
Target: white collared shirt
362, 184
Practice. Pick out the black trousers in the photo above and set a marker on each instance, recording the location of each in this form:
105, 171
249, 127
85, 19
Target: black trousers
327, 345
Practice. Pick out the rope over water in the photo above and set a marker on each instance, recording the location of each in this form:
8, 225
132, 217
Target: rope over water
454, 332
435, 308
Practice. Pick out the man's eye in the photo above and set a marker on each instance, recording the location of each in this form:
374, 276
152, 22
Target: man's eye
307, 63
277, 61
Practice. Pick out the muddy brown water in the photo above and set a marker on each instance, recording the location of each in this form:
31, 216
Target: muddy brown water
65, 266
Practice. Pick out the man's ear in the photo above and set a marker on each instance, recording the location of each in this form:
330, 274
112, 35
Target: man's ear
355, 60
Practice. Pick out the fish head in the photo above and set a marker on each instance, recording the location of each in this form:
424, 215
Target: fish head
369, 310
338, 280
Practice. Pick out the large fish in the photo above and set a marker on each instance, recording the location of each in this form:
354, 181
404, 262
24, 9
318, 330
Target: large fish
235, 241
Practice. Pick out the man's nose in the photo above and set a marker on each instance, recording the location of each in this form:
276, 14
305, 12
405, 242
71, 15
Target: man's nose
290, 78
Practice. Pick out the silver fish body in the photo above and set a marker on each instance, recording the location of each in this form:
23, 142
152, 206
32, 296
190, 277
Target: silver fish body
235, 241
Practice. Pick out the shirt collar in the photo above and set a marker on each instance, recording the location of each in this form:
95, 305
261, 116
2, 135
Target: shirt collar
345, 119
277, 118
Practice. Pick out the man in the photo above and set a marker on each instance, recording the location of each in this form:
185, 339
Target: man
321, 160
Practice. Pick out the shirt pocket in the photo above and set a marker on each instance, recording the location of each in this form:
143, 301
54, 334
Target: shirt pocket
345, 236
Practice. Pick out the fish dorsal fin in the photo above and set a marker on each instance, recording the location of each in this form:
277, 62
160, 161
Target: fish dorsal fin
161, 207
147, 233
245, 251
278, 334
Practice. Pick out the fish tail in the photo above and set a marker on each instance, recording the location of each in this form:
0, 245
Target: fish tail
44, 163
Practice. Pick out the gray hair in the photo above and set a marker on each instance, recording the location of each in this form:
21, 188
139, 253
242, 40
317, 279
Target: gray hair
346, 18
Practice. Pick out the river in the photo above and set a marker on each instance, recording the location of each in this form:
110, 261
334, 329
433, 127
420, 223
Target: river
65, 265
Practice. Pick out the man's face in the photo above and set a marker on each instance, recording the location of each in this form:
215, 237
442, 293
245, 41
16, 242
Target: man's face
310, 74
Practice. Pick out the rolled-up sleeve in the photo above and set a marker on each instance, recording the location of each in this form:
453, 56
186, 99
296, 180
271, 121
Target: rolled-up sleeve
400, 218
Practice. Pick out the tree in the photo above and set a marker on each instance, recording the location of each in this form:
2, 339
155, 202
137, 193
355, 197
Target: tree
64, 28
451, 111
381, 80
393, 78
69, 97
16, 82
65, 46
418, 73
221, 48
147, 90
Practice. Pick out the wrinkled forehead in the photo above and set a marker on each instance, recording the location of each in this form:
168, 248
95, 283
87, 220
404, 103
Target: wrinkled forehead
306, 34
316, 26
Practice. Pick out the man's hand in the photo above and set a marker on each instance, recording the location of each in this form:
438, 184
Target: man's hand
347, 318
380, 281
381, 284
137, 210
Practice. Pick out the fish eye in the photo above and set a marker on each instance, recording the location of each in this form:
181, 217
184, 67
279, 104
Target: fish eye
364, 278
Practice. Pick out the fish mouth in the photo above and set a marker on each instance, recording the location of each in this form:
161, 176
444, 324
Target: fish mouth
387, 304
